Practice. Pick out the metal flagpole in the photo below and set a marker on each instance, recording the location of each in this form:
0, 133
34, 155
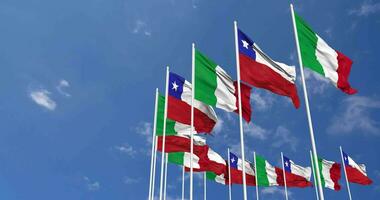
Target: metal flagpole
166, 174
164, 133
256, 180
153, 146
240, 110
204, 186
314, 148
284, 174
192, 119
154, 166
315, 180
183, 183
345, 172
229, 174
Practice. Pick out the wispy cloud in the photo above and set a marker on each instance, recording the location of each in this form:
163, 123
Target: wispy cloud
126, 149
91, 185
283, 137
218, 126
365, 9
130, 180
255, 131
355, 114
145, 129
61, 86
140, 27
316, 83
262, 100
41, 97
275, 190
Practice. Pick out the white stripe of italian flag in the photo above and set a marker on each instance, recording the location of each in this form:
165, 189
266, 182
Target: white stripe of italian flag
318, 56
266, 173
213, 85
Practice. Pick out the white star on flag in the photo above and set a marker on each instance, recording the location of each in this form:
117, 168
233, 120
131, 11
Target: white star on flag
245, 44
286, 163
175, 86
232, 160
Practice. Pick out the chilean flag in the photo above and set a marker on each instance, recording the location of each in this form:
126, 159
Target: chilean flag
296, 176
259, 70
236, 167
179, 106
356, 173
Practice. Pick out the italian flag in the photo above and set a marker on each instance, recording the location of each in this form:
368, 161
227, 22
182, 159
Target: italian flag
266, 173
215, 87
183, 159
330, 174
217, 178
318, 56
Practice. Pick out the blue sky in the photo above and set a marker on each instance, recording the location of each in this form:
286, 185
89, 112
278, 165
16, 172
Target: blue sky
78, 78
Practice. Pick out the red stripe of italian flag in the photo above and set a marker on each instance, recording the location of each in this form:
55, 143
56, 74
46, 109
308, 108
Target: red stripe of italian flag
318, 56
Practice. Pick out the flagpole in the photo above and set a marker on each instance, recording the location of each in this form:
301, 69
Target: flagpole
345, 172
257, 183
153, 146
240, 110
229, 174
204, 186
313, 145
315, 180
164, 133
284, 174
166, 174
183, 182
192, 119
154, 166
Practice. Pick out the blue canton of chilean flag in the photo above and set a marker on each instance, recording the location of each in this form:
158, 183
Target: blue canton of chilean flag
246, 45
176, 83
287, 165
233, 160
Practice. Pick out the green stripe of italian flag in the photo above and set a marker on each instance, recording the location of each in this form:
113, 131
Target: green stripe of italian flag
172, 127
213, 85
265, 172
330, 174
318, 56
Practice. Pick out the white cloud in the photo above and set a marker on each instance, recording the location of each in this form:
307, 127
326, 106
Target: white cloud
262, 100
283, 137
60, 87
365, 9
328, 32
145, 129
356, 115
274, 190
126, 149
255, 131
316, 83
130, 180
141, 27
218, 126
91, 185
41, 97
